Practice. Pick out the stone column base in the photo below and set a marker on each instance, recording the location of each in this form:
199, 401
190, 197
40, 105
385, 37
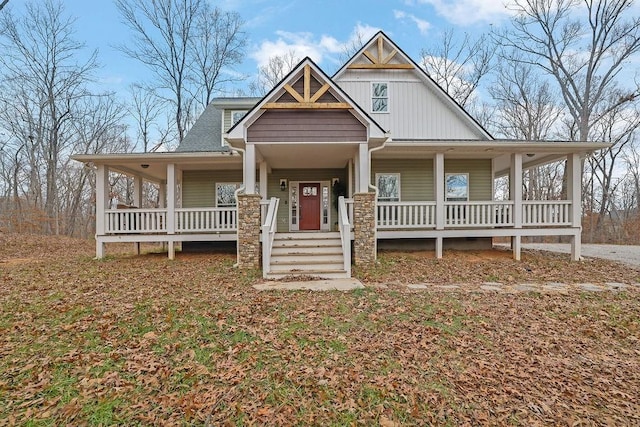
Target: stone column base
364, 228
249, 231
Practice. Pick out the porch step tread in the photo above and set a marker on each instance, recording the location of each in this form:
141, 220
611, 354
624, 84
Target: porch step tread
310, 253
308, 249
323, 274
307, 236
306, 243
307, 260
297, 265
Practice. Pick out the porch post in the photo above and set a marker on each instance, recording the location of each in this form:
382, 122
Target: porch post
363, 169
102, 203
171, 206
162, 194
263, 179
250, 169
137, 191
137, 201
438, 182
574, 193
350, 179
515, 194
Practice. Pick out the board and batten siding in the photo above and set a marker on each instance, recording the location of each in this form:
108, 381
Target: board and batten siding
416, 177
415, 110
302, 175
480, 176
307, 126
199, 187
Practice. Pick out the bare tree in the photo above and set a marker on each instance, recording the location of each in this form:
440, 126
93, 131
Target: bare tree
186, 46
271, 74
619, 127
218, 46
458, 66
43, 81
584, 56
3, 4
145, 109
352, 46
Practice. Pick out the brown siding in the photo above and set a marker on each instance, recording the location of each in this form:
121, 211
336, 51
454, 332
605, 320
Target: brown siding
306, 126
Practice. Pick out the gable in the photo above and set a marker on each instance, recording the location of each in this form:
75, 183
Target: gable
419, 109
306, 106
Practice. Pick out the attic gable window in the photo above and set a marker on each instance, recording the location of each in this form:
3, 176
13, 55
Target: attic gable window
380, 97
237, 115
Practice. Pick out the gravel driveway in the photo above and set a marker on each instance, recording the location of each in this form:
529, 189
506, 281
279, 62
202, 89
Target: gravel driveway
626, 254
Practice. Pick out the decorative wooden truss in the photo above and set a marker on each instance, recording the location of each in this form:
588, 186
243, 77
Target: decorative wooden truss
306, 100
380, 62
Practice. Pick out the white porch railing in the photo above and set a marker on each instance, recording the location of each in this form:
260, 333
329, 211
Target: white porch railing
269, 227
406, 215
132, 221
188, 220
349, 204
345, 234
489, 214
546, 212
205, 220
478, 214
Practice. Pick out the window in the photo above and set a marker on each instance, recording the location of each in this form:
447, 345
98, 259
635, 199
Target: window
225, 192
457, 187
379, 98
237, 115
388, 187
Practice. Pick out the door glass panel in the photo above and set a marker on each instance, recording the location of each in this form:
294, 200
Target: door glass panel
294, 204
325, 205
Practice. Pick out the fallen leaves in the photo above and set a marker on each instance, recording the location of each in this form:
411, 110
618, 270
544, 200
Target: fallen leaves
132, 340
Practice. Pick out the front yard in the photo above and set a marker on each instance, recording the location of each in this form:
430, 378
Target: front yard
144, 340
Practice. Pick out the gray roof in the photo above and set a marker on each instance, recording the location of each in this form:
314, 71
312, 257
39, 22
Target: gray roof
206, 132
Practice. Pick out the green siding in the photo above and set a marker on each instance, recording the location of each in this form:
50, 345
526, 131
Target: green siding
480, 179
310, 175
416, 177
199, 187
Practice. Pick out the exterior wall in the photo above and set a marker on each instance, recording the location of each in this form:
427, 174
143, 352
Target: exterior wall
273, 189
415, 110
307, 126
248, 231
480, 176
199, 187
416, 177
364, 228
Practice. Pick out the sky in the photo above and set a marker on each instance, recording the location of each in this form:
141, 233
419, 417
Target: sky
315, 28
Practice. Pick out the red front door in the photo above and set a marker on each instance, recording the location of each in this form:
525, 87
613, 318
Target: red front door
309, 206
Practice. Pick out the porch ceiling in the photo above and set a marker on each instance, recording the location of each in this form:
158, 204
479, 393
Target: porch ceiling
534, 153
153, 166
307, 155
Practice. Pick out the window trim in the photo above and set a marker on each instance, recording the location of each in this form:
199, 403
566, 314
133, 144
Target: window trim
235, 202
244, 113
456, 199
379, 97
390, 199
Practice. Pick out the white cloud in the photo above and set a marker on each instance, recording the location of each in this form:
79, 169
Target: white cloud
467, 12
307, 44
423, 26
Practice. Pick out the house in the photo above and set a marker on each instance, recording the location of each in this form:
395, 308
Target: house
323, 169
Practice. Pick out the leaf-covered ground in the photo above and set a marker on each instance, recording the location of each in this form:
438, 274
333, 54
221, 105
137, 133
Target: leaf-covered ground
144, 340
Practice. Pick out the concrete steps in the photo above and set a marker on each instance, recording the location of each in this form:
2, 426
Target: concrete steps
317, 254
